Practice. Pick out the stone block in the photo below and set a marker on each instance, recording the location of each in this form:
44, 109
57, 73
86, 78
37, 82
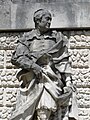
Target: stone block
79, 58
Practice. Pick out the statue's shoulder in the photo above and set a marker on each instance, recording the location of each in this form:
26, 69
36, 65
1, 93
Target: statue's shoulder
57, 34
27, 37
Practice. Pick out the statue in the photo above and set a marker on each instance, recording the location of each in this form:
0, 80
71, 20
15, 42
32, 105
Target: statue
45, 78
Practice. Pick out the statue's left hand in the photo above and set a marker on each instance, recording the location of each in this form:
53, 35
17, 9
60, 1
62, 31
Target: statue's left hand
38, 71
67, 89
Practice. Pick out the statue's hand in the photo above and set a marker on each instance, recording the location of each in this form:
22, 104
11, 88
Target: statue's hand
38, 71
67, 89
70, 85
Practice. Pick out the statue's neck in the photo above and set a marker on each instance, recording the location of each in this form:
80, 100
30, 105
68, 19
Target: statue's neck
41, 31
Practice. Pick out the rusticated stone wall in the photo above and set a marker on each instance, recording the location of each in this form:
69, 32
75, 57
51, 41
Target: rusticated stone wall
8, 82
79, 49
80, 60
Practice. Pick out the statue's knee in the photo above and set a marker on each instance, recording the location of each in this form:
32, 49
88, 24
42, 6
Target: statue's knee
43, 114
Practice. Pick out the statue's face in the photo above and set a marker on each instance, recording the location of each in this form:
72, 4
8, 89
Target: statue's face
45, 22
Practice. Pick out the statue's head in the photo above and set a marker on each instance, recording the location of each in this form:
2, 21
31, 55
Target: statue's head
42, 19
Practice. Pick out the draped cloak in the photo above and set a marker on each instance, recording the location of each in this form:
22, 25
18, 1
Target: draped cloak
31, 89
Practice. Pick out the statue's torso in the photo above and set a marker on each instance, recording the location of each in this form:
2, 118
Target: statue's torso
41, 45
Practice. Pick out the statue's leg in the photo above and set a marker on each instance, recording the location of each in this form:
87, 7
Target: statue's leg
65, 112
43, 114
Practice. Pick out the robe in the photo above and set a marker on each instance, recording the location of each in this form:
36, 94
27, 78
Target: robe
50, 52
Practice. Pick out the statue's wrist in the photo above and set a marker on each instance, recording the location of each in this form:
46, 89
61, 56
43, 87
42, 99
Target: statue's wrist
34, 65
68, 83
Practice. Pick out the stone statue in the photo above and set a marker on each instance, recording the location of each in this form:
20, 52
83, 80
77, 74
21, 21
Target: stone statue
45, 80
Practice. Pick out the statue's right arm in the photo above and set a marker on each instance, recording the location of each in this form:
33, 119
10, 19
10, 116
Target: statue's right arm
22, 59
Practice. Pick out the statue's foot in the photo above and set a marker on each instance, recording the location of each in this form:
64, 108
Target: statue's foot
43, 114
65, 118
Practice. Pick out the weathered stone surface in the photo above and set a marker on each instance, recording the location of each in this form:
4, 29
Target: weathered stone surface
8, 78
8, 59
80, 41
8, 42
72, 14
5, 12
79, 58
1, 59
18, 13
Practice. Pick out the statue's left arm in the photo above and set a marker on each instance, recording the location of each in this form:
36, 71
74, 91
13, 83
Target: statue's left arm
61, 60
